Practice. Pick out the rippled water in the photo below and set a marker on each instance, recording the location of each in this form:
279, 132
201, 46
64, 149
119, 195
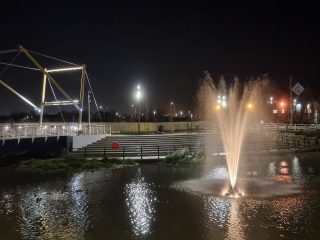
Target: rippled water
146, 202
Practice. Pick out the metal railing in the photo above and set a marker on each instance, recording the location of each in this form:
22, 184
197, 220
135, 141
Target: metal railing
293, 127
27, 130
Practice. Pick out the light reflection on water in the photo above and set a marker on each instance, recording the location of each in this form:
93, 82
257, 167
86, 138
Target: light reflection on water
218, 172
140, 202
42, 213
286, 171
297, 172
217, 209
223, 213
235, 230
55, 214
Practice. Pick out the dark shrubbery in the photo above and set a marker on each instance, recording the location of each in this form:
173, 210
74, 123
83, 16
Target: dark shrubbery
185, 157
72, 163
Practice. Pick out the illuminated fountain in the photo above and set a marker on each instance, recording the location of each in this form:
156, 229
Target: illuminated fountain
235, 109
232, 106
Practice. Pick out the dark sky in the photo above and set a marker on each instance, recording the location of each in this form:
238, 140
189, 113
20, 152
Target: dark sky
164, 46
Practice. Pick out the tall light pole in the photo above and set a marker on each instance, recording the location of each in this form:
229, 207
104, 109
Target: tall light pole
171, 116
172, 110
135, 111
138, 97
154, 115
147, 113
89, 116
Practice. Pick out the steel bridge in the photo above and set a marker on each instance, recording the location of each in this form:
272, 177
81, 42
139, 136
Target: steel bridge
27, 130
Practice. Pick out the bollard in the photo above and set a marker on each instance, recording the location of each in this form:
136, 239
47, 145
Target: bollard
104, 151
123, 153
158, 152
85, 151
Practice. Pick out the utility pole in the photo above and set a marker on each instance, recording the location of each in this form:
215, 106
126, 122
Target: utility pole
172, 110
291, 109
147, 115
139, 117
89, 114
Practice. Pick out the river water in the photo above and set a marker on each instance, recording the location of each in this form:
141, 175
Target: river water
148, 202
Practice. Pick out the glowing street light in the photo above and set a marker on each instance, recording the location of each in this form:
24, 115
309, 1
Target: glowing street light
298, 107
249, 106
138, 97
222, 101
271, 100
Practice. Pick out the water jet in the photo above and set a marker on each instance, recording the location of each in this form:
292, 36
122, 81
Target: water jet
233, 193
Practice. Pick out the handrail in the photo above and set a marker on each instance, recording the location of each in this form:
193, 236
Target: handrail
31, 130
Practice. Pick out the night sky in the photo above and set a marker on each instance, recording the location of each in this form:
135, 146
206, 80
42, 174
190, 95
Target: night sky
164, 46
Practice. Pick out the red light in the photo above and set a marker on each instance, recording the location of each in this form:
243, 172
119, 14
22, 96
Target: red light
282, 104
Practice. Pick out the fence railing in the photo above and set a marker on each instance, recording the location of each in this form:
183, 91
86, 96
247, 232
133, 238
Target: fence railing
278, 143
26, 130
288, 127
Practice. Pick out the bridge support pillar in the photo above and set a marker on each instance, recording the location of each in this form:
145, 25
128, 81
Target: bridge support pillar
43, 98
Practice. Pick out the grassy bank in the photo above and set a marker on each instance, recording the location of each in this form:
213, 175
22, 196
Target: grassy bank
184, 157
309, 155
72, 164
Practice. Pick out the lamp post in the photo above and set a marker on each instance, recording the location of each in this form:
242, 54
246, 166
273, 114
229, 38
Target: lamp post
138, 97
172, 111
154, 115
89, 112
135, 111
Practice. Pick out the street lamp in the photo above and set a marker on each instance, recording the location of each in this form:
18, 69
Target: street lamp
271, 100
249, 106
89, 112
138, 97
154, 115
172, 110
135, 111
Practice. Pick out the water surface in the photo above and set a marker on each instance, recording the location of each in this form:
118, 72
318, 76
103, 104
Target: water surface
146, 202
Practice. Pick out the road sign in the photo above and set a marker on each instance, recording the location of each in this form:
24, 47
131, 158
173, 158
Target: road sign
297, 89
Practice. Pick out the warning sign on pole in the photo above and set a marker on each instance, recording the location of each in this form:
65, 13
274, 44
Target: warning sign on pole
297, 89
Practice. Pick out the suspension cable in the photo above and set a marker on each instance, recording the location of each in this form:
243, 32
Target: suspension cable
93, 96
54, 58
55, 97
9, 51
12, 60
19, 66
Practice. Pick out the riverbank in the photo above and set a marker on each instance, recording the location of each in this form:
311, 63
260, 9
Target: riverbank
72, 163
